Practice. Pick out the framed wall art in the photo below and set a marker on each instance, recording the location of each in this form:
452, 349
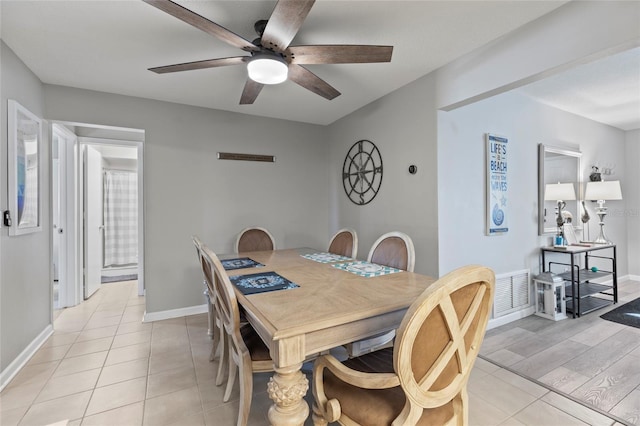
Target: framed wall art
24, 136
497, 185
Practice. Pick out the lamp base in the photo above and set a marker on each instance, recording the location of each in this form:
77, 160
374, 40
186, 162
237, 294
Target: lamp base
602, 238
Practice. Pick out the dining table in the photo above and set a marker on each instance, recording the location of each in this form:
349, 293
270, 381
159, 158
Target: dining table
329, 301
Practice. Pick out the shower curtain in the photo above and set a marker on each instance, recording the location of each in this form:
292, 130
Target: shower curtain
120, 218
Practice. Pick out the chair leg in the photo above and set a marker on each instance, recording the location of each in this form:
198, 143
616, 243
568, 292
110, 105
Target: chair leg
212, 355
216, 339
461, 407
246, 390
223, 357
318, 418
231, 379
211, 317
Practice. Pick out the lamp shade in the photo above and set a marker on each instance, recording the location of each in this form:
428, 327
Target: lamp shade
609, 190
267, 69
559, 191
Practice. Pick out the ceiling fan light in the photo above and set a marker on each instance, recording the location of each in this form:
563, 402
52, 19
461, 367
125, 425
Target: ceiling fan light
266, 69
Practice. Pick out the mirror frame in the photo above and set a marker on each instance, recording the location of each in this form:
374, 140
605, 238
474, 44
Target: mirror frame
570, 152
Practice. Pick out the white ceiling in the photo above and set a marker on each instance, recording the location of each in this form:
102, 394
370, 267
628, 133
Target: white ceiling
606, 91
108, 46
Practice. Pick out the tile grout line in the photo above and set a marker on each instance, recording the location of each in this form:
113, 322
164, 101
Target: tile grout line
202, 409
84, 413
90, 317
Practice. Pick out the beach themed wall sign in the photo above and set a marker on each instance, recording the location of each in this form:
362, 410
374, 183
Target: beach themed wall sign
497, 184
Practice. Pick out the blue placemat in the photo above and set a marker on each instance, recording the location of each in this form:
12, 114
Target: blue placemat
366, 269
260, 283
325, 257
239, 263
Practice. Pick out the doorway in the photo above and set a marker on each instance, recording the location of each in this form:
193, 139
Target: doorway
110, 212
98, 220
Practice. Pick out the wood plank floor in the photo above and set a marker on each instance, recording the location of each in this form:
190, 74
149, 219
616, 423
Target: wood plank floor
593, 361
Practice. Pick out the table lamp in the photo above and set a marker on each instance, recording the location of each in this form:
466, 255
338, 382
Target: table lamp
560, 192
600, 192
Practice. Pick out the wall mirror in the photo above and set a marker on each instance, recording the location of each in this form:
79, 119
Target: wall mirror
558, 165
25, 133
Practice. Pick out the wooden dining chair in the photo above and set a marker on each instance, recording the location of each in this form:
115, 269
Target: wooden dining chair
219, 341
393, 249
345, 243
245, 349
213, 322
423, 379
254, 239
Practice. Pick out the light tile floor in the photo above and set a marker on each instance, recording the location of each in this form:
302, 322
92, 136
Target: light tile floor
103, 366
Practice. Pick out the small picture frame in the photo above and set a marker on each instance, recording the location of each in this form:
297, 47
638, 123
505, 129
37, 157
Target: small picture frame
569, 234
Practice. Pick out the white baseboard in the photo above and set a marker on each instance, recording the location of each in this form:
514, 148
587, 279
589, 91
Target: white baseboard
120, 270
497, 322
175, 313
16, 365
629, 278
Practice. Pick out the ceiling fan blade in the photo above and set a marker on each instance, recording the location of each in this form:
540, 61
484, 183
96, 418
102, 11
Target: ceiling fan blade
312, 82
198, 65
251, 91
284, 23
203, 24
340, 54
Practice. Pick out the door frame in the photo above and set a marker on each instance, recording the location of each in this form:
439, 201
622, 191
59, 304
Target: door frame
66, 186
75, 245
140, 171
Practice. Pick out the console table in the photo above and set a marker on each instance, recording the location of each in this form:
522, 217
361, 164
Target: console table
581, 292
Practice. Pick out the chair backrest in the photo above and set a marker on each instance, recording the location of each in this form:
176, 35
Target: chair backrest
440, 337
255, 239
345, 243
198, 245
226, 302
394, 249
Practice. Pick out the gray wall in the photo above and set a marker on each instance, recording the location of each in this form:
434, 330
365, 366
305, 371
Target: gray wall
409, 129
631, 195
188, 191
25, 292
462, 174
403, 127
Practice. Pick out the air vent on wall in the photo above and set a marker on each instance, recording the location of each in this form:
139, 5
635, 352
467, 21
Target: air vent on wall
513, 292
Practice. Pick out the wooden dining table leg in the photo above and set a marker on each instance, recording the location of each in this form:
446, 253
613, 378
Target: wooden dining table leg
287, 388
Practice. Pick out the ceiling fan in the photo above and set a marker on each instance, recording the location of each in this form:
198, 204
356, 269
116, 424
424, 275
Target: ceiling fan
272, 60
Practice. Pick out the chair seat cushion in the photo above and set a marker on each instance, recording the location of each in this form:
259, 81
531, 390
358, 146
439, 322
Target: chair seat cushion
258, 350
376, 407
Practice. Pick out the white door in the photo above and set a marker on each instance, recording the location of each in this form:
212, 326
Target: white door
92, 220
58, 216
64, 216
